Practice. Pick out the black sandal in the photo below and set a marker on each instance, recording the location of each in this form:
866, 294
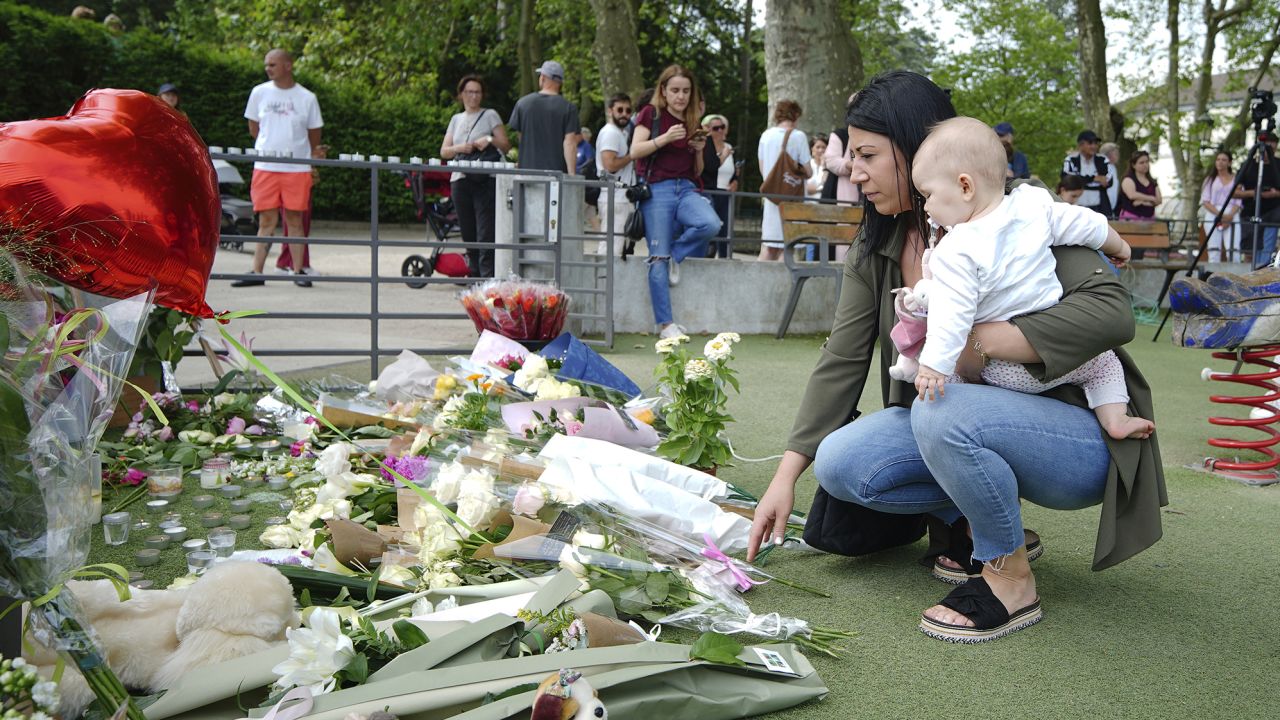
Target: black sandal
975, 601
960, 551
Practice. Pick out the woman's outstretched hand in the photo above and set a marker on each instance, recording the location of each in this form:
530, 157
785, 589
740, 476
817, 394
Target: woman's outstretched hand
772, 513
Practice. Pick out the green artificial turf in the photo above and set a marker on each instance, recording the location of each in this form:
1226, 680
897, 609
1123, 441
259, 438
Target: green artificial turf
1184, 629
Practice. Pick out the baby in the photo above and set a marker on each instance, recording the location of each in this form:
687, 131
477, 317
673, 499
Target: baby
995, 264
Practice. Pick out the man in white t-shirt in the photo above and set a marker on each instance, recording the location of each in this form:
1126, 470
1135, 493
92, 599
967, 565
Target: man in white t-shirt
613, 163
284, 120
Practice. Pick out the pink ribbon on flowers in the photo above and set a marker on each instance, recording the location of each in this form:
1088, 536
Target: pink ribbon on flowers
713, 552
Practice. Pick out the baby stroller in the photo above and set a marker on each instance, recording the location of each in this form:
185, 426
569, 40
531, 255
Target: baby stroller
443, 221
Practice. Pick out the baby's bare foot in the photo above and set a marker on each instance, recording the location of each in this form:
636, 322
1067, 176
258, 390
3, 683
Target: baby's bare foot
1125, 427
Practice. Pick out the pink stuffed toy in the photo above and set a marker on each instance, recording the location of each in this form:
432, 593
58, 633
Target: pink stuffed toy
911, 306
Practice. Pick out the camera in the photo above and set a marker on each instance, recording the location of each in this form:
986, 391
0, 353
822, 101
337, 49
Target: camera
1262, 105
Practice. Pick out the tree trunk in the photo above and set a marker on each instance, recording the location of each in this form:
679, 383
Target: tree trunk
811, 57
615, 48
1172, 88
524, 47
1236, 137
744, 58
1094, 92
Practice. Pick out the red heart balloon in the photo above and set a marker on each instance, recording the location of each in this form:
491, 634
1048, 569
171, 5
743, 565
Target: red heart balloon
114, 198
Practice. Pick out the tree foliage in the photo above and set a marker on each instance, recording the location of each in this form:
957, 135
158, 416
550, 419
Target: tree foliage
1021, 69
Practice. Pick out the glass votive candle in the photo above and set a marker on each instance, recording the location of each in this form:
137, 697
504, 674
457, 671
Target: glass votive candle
165, 480
223, 542
200, 560
115, 528
214, 473
201, 502
147, 557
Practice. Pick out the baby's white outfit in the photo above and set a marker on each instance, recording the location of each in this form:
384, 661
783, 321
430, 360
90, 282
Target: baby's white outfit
1000, 266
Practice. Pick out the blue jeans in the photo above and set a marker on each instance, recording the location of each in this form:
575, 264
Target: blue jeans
974, 452
1268, 233
675, 204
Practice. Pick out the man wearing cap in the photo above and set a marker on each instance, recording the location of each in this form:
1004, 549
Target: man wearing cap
1018, 166
284, 120
1270, 195
547, 123
168, 92
1094, 168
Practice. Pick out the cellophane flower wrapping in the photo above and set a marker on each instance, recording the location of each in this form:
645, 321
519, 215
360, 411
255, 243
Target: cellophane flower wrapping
60, 379
517, 309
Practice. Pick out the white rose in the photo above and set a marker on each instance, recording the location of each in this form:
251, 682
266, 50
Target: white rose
552, 389
196, 437
279, 537
334, 460
398, 575
316, 653
570, 560
436, 543
448, 483
584, 539
477, 510
330, 509
717, 349
439, 580
697, 369
223, 400
302, 518
534, 368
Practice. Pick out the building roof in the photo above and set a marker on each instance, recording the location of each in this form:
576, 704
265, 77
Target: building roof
1227, 89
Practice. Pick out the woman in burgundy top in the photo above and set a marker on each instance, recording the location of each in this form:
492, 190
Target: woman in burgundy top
678, 219
1139, 193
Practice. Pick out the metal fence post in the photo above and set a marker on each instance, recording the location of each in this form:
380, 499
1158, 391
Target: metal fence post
373, 279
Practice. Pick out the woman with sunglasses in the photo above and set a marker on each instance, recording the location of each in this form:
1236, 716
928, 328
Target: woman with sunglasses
719, 173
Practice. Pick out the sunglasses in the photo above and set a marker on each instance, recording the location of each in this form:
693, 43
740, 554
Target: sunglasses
717, 128
623, 110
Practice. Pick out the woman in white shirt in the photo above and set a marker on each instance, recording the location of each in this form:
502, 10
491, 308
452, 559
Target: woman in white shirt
785, 116
719, 173
817, 168
1212, 196
475, 133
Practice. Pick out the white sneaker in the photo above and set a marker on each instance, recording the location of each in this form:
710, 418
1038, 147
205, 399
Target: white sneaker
673, 274
671, 330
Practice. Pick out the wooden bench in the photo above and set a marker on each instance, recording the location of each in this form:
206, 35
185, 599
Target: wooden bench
1143, 236
825, 225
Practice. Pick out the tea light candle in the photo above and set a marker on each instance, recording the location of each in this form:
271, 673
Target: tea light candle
239, 522
134, 576
344, 156
415, 160
393, 159
375, 158
250, 151
433, 161
141, 584
274, 521
358, 157
267, 444
157, 506
170, 523
202, 501
213, 519
275, 482
156, 542
176, 534
147, 557
194, 544
233, 151
215, 149
241, 505
231, 491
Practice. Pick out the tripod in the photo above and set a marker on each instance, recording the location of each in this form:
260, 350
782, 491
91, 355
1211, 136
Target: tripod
1257, 153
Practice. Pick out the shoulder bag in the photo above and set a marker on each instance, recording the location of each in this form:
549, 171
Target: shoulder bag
490, 153
633, 229
785, 177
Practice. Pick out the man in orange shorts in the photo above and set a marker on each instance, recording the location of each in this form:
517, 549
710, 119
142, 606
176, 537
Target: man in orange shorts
284, 120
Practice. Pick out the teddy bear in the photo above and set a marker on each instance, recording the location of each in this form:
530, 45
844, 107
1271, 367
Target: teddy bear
567, 694
157, 637
911, 304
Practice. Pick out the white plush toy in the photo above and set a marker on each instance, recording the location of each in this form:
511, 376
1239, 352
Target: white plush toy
157, 637
911, 304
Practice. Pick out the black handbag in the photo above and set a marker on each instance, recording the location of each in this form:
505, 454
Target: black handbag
845, 528
490, 153
633, 229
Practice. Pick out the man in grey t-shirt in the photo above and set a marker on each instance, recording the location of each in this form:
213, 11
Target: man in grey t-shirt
547, 124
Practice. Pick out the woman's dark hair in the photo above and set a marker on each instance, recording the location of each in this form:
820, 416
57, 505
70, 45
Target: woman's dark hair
1133, 174
1071, 183
1213, 168
472, 78
903, 106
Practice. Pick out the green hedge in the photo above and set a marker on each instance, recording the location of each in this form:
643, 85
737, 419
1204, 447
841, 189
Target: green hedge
49, 61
